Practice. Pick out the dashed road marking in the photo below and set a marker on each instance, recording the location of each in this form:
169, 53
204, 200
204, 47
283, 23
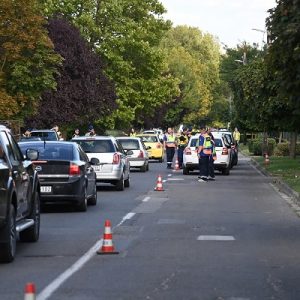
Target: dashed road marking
215, 238
146, 199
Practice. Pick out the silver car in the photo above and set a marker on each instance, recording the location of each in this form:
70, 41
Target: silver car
114, 165
139, 157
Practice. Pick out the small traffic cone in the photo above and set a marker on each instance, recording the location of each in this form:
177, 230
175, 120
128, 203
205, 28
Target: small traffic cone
176, 165
159, 186
29, 291
107, 245
267, 160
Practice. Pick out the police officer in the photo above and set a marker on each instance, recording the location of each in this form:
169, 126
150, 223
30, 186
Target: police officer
205, 150
182, 143
170, 146
212, 158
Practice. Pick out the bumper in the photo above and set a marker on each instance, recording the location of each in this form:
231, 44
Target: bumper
109, 173
137, 162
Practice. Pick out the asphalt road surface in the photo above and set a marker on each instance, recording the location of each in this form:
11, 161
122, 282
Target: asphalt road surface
234, 239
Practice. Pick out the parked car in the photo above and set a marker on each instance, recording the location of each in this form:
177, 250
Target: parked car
234, 151
19, 196
156, 150
157, 131
65, 172
222, 163
45, 134
139, 157
114, 165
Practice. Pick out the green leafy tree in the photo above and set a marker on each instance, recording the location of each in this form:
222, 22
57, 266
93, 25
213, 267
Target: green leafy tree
283, 59
27, 60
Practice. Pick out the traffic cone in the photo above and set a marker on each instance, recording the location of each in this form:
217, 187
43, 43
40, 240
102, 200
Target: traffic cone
107, 245
159, 186
29, 291
176, 165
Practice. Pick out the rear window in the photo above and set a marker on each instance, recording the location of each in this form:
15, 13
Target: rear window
130, 144
50, 152
48, 136
149, 139
194, 142
97, 146
218, 143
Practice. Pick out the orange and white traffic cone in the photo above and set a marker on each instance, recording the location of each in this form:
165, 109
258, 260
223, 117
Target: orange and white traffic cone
29, 291
267, 160
107, 245
159, 186
176, 165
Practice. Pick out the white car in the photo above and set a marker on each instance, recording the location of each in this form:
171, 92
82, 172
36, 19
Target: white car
139, 157
114, 165
222, 163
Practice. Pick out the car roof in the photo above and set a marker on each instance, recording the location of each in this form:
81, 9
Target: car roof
46, 142
91, 138
128, 138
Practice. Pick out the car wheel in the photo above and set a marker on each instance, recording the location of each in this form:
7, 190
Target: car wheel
161, 160
226, 171
127, 182
94, 198
9, 235
143, 168
185, 171
32, 233
82, 205
120, 184
147, 167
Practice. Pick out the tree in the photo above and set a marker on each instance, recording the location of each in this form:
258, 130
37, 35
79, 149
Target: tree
126, 34
28, 62
283, 58
84, 93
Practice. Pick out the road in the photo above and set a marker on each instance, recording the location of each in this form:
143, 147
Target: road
233, 239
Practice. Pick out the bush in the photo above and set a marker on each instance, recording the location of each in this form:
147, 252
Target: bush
282, 149
255, 146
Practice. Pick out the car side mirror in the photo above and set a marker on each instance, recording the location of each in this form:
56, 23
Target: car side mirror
129, 152
32, 154
94, 161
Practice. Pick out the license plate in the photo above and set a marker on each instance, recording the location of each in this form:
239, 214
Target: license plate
97, 168
46, 189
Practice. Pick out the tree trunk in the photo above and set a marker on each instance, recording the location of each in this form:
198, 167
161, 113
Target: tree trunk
293, 141
280, 137
265, 144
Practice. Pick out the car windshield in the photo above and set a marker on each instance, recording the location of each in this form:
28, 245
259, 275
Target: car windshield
149, 138
218, 143
50, 151
96, 146
130, 144
45, 135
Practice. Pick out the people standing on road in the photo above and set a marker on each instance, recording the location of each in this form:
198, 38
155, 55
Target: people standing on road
27, 133
91, 131
236, 136
76, 133
132, 132
204, 152
56, 128
181, 144
170, 146
212, 158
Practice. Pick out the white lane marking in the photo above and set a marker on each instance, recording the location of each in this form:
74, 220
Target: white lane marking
56, 283
215, 238
169, 175
175, 179
146, 199
127, 217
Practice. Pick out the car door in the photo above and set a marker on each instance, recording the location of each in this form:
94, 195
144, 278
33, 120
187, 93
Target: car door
19, 172
89, 171
124, 158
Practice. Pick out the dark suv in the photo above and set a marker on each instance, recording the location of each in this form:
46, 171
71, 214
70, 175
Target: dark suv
19, 196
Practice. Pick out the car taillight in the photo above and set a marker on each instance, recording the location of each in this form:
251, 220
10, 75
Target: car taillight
74, 169
187, 151
141, 154
224, 151
158, 145
116, 159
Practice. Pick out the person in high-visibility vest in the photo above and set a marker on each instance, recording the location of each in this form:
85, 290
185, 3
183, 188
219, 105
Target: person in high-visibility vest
181, 144
236, 136
212, 158
205, 151
170, 145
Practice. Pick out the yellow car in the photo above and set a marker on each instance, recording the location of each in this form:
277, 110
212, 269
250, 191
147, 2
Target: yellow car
154, 147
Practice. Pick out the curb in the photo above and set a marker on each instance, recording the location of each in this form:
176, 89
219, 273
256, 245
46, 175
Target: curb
280, 184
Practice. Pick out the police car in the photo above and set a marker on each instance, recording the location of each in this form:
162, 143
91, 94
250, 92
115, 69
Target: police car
223, 151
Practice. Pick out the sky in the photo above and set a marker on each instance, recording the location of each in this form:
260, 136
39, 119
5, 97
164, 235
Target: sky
232, 21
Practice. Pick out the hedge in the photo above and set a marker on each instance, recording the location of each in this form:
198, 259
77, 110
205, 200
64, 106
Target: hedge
255, 146
282, 149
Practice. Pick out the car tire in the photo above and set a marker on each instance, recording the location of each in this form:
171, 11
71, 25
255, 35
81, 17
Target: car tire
226, 171
32, 233
127, 182
147, 166
185, 171
9, 234
161, 160
82, 205
94, 198
143, 168
120, 184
